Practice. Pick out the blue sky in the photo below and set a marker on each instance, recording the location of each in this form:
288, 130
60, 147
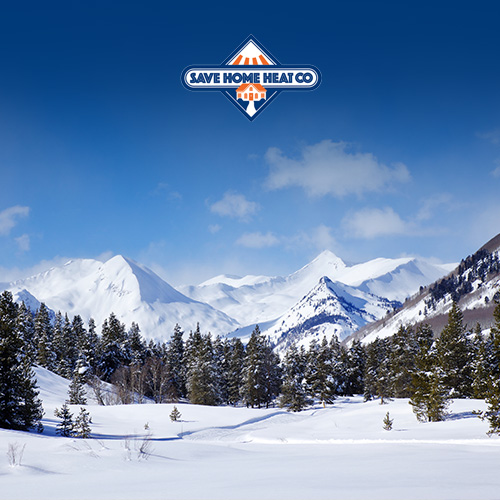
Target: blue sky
103, 151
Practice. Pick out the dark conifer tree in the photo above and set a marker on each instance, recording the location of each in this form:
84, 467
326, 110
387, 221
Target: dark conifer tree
384, 381
453, 355
90, 345
261, 377
26, 328
236, 356
81, 428
112, 347
175, 362
480, 365
430, 395
20, 407
401, 361
293, 389
377, 374
135, 345
44, 338
492, 413
221, 358
65, 426
76, 392
355, 369
319, 372
201, 380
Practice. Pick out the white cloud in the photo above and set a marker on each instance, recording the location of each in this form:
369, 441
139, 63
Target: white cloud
493, 136
330, 168
9, 218
235, 205
23, 242
370, 223
318, 238
164, 189
496, 171
257, 240
430, 205
214, 228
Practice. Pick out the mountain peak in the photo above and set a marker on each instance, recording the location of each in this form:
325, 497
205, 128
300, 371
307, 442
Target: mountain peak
329, 256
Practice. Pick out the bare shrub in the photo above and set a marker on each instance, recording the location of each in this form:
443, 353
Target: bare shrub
144, 448
15, 454
97, 386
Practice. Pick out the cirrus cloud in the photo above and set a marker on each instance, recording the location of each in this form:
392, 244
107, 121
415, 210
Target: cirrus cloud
10, 217
330, 168
258, 240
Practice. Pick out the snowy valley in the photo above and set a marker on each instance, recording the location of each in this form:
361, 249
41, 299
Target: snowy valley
341, 451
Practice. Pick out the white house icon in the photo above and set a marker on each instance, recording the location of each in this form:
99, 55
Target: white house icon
251, 92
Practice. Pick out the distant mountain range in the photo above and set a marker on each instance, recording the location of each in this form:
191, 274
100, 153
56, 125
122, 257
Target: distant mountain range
325, 297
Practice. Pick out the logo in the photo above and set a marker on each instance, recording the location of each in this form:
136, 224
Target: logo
251, 78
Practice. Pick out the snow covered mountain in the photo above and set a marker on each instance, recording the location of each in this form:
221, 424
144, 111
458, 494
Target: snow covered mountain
324, 297
260, 299
133, 292
329, 309
474, 284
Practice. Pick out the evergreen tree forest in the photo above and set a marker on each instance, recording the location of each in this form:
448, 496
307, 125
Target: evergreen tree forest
414, 363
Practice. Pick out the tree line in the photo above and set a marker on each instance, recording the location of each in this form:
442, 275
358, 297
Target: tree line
412, 364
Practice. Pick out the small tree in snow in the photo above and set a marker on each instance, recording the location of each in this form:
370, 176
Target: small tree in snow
65, 427
76, 392
175, 415
388, 422
81, 427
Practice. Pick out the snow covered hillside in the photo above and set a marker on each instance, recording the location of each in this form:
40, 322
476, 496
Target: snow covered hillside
120, 285
340, 451
474, 285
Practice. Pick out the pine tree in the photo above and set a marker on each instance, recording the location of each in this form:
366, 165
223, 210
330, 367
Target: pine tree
30, 406
388, 422
492, 413
384, 381
453, 349
319, 372
293, 391
76, 392
370, 374
401, 361
175, 415
261, 376
202, 383
377, 377
65, 427
480, 365
26, 327
20, 407
235, 370
81, 427
89, 344
355, 369
135, 345
44, 338
175, 362
430, 397
112, 347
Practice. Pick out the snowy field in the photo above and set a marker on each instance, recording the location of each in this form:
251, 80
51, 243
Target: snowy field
340, 451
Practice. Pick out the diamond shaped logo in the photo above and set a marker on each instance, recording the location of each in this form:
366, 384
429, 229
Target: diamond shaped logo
251, 78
